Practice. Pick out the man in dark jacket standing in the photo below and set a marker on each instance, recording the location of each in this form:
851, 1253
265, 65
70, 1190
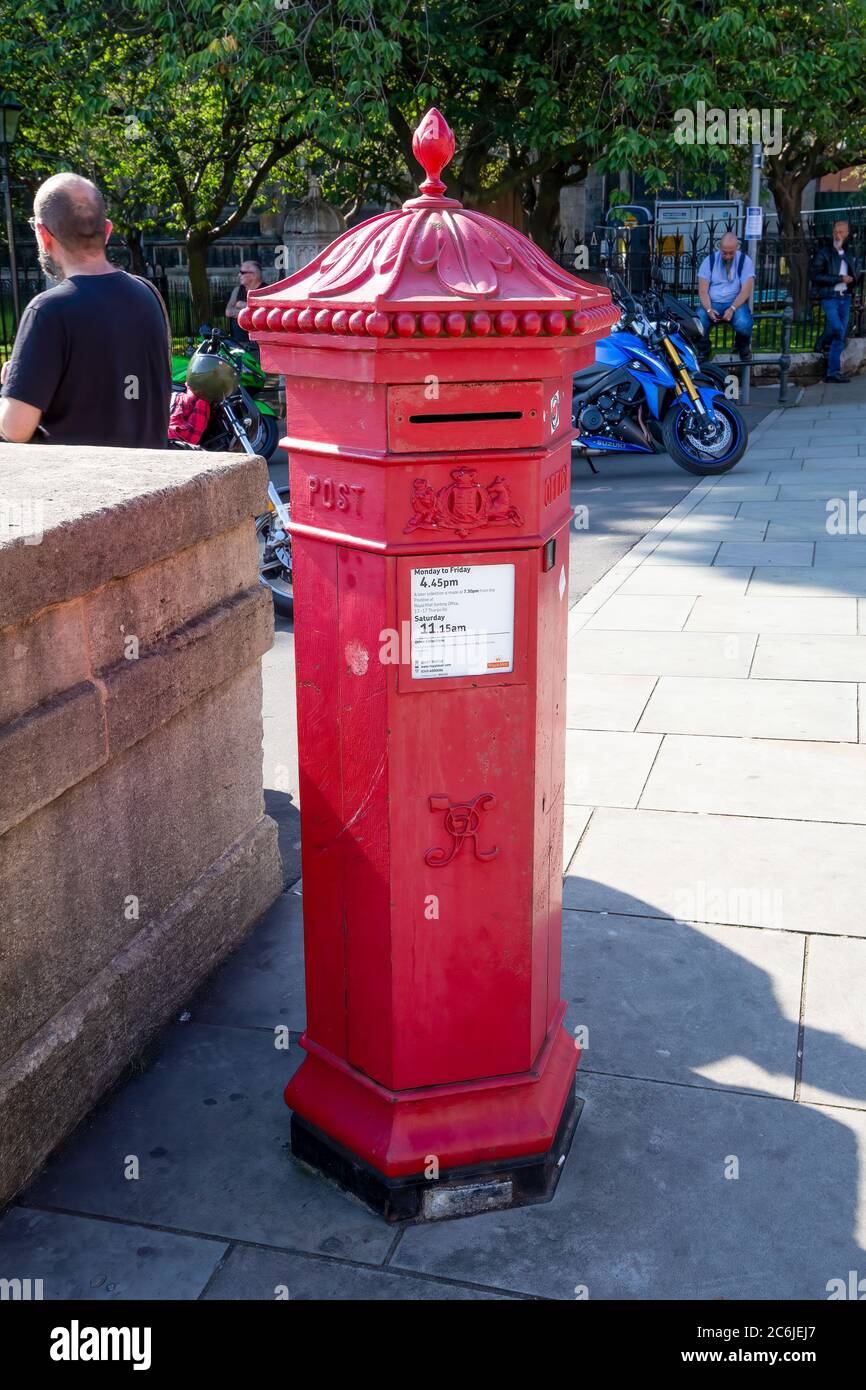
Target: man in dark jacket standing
835, 272
91, 361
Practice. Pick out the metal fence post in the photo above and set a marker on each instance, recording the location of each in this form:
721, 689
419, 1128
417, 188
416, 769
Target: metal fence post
785, 358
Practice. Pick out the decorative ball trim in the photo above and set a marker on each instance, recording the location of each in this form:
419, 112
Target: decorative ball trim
428, 323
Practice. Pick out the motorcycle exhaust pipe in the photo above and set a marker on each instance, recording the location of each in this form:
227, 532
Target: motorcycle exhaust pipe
631, 433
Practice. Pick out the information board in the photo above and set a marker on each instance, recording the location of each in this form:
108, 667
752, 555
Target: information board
462, 621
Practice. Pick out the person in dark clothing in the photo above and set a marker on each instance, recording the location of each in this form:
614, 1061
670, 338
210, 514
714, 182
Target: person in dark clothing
249, 279
91, 361
835, 272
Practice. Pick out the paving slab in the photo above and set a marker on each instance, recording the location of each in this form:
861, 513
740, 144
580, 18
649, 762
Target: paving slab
777, 778
267, 1275
210, 1128
811, 491
748, 477
644, 1209
607, 702
715, 506
725, 869
845, 460
607, 769
79, 1258
576, 819
597, 596
707, 528
759, 451
664, 653
830, 455
806, 579
819, 710
683, 552
687, 579
765, 553
752, 491
799, 614
810, 658
642, 613
834, 1041
841, 550
799, 530
262, 984
695, 1005
810, 509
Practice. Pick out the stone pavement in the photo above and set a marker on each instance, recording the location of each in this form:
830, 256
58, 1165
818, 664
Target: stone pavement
715, 948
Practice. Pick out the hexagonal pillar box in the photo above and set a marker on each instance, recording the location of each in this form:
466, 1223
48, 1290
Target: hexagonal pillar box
428, 356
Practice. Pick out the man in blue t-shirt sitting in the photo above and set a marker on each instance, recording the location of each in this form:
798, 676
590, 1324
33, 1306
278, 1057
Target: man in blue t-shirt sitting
725, 282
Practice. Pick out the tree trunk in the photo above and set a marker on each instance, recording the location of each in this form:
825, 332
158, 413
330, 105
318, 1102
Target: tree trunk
134, 239
199, 286
788, 195
543, 221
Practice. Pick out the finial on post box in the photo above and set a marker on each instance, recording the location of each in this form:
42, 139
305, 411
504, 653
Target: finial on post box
433, 147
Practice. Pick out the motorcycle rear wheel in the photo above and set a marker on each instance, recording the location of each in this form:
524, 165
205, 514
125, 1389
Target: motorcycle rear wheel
272, 571
684, 446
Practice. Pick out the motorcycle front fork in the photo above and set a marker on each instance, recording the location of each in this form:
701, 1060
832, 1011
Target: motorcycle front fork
237, 428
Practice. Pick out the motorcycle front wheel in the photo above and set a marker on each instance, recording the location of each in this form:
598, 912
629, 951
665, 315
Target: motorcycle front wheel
275, 558
264, 435
717, 453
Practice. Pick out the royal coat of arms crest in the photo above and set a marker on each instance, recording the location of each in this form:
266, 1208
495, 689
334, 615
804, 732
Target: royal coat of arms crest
462, 506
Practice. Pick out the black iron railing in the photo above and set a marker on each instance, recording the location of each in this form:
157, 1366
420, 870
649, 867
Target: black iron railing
781, 273
173, 287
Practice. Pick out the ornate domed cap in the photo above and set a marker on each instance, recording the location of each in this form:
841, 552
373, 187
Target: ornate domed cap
433, 268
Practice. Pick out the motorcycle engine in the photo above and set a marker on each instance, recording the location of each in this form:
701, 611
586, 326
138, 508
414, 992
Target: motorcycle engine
591, 419
629, 391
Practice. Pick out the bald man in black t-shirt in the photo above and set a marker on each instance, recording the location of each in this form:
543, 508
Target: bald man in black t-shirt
91, 361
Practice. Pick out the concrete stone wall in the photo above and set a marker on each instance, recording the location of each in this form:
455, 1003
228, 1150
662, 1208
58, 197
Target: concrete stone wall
134, 849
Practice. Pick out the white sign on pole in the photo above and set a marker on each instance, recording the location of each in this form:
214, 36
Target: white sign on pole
462, 621
754, 224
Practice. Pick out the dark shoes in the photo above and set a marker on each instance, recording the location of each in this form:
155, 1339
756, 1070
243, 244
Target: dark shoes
838, 379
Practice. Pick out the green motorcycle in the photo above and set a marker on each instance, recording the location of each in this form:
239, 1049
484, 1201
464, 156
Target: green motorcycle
258, 419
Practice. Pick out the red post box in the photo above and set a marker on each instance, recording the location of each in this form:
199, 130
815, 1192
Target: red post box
428, 356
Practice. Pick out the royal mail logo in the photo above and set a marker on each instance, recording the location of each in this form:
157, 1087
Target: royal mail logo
463, 505
462, 823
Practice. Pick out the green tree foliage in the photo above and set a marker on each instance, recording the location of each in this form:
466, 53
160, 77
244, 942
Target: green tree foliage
190, 112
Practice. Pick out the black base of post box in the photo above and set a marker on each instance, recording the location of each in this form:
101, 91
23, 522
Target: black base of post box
514, 1182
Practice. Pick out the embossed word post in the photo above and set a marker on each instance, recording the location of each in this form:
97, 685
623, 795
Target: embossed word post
428, 356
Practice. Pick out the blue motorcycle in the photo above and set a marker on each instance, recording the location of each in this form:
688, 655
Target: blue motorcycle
647, 392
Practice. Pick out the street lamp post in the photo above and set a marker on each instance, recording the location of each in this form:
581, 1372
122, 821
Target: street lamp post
10, 111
